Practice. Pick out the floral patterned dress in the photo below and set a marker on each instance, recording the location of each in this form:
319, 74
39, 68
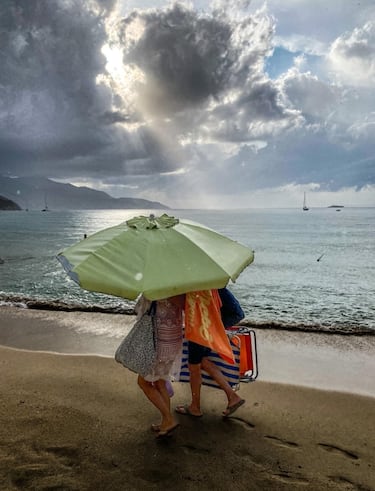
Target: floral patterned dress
169, 325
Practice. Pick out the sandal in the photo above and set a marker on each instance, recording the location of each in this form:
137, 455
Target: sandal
167, 432
185, 410
231, 409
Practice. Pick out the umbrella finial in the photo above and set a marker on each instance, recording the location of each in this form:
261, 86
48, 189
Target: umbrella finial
151, 222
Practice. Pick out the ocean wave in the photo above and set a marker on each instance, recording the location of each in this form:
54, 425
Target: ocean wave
17, 258
335, 328
58, 305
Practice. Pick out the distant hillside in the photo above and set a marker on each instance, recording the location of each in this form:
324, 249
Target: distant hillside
7, 204
35, 193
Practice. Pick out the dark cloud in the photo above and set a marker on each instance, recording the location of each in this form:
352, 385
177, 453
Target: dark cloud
50, 58
55, 119
202, 94
185, 58
206, 72
264, 103
110, 117
52, 46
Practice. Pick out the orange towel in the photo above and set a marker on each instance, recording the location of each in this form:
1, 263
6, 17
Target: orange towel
203, 323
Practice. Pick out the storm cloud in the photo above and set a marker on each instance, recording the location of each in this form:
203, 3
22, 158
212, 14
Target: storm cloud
154, 101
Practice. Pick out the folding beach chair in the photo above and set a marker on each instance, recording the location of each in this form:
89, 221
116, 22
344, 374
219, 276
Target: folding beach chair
230, 372
245, 339
245, 368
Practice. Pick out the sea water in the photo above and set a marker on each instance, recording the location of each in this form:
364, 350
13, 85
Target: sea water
312, 270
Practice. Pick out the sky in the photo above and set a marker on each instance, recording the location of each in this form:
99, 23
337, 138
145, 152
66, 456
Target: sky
198, 104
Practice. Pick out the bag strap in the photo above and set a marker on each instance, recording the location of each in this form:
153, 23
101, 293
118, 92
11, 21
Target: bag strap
152, 310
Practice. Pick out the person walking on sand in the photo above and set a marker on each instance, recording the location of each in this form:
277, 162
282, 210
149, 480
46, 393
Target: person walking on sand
168, 331
202, 315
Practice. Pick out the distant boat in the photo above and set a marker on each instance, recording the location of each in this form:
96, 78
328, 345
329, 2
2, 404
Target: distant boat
305, 207
45, 203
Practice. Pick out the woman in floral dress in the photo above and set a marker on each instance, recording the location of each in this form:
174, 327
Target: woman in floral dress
169, 332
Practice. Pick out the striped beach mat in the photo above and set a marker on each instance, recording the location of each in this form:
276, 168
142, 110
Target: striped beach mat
230, 372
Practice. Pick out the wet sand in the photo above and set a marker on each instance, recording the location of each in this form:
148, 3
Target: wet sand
318, 360
79, 422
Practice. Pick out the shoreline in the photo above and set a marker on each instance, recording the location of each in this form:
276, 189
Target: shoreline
317, 360
19, 301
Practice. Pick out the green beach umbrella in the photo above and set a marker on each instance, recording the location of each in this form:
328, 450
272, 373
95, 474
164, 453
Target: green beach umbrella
157, 256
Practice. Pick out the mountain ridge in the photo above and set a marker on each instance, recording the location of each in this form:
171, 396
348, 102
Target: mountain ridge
8, 204
40, 193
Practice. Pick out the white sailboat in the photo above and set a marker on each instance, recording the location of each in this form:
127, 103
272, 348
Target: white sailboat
305, 207
45, 203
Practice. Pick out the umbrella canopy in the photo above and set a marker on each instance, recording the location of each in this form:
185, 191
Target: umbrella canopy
157, 256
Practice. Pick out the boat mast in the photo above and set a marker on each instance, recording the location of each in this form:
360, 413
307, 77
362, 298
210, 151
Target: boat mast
305, 207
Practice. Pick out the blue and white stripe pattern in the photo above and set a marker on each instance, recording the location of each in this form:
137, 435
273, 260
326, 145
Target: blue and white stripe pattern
230, 372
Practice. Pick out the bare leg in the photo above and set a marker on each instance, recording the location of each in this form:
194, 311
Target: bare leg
157, 398
194, 408
215, 372
164, 393
162, 388
195, 386
169, 421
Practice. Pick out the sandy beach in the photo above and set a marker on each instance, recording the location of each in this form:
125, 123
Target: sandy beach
79, 422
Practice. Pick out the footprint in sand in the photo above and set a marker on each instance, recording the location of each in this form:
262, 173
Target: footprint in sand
193, 449
67, 454
22, 475
154, 475
282, 443
40, 476
347, 484
288, 478
50, 470
242, 421
341, 451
